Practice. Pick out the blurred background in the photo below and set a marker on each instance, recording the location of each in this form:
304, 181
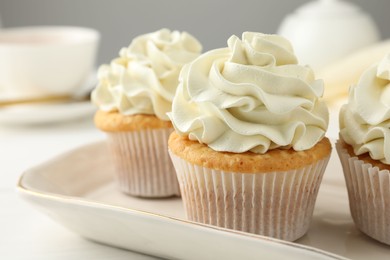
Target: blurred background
212, 22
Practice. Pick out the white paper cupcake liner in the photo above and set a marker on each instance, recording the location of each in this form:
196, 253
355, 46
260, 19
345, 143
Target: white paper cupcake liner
275, 204
369, 195
142, 164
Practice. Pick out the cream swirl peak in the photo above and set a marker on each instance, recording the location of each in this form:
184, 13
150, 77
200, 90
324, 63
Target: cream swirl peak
144, 78
250, 96
365, 120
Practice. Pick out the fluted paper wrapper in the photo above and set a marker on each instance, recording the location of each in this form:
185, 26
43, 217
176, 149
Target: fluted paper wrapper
142, 164
274, 204
369, 195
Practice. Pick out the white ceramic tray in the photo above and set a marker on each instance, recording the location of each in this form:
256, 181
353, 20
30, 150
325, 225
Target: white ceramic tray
77, 190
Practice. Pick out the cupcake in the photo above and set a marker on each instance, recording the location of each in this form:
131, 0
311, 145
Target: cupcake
249, 148
133, 95
364, 151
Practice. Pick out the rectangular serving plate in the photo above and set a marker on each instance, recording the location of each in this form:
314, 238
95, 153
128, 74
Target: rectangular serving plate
77, 190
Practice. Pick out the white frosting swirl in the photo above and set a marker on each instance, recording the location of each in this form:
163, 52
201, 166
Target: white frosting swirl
250, 96
143, 80
365, 120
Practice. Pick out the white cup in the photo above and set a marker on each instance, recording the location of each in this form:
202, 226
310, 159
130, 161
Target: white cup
45, 61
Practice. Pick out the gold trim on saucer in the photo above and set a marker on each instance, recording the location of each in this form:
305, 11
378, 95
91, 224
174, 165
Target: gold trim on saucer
43, 100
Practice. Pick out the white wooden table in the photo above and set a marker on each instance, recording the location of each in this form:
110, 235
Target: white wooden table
26, 233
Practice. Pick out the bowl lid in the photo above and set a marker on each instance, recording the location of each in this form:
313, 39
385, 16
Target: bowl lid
329, 8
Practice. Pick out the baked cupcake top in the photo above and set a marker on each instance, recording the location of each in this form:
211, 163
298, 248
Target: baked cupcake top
365, 119
250, 96
144, 78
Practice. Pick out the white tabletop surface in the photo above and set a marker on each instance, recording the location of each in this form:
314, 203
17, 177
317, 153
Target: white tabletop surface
25, 232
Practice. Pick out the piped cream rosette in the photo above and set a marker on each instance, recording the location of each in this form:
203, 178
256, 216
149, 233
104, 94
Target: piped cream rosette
144, 78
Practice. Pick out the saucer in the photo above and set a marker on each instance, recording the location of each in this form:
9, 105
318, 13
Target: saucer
48, 113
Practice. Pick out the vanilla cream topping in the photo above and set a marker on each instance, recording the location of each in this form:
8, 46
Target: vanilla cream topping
250, 96
144, 78
365, 120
